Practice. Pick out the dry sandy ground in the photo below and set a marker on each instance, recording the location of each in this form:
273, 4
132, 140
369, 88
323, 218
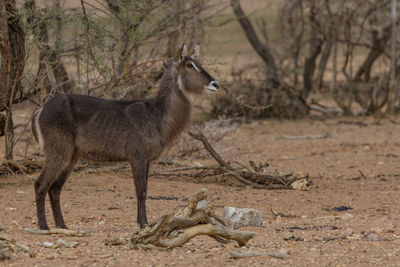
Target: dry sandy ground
356, 166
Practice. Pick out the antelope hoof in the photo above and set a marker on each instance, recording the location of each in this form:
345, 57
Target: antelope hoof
143, 224
44, 227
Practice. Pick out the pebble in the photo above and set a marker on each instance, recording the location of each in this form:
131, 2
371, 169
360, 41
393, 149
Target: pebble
377, 230
48, 244
353, 237
51, 256
348, 232
372, 236
284, 251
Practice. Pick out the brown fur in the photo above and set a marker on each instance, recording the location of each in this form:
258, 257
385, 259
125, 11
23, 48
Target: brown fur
137, 131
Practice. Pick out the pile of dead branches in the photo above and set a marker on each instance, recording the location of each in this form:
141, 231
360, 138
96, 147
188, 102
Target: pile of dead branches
9, 244
255, 177
173, 230
20, 167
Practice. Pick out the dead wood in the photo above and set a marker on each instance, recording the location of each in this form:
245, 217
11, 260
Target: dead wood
247, 177
174, 230
56, 231
238, 255
21, 166
303, 137
6, 245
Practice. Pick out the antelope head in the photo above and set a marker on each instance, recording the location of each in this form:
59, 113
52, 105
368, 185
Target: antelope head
192, 78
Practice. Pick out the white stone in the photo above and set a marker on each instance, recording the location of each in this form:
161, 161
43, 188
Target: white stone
236, 218
201, 205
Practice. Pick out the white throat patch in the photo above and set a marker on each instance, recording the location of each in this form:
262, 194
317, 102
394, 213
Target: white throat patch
180, 83
189, 95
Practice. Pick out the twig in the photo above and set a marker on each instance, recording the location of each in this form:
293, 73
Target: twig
11, 240
238, 255
303, 137
362, 174
241, 102
56, 231
200, 136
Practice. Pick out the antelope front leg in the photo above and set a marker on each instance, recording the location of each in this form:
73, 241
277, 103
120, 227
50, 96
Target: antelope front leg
140, 169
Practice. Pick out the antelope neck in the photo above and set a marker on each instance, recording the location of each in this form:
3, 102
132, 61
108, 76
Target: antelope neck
175, 108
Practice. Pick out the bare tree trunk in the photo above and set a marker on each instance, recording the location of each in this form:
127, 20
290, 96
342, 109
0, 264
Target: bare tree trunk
326, 52
9, 134
377, 49
12, 51
393, 88
315, 49
261, 49
49, 59
285, 102
296, 46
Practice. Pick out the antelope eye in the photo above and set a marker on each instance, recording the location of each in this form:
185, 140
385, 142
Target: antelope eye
189, 65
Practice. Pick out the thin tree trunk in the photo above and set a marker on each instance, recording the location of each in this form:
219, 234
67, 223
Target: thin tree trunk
48, 55
261, 49
324, 57
12, 52
9, 135
315, 45
377, 49
392, 97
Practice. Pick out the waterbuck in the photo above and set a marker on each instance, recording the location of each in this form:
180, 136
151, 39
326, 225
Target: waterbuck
69, 127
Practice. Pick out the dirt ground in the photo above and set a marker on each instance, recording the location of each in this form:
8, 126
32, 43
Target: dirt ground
356, 166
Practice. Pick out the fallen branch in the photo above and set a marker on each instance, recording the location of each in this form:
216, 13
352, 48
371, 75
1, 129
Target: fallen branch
23, 166
173, 230
244, 176
304, 137
238, 255
56, 231
5, 244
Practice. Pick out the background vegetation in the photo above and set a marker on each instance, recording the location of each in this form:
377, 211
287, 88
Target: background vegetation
284, 59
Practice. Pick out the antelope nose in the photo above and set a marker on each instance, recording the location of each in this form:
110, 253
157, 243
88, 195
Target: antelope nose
215, 84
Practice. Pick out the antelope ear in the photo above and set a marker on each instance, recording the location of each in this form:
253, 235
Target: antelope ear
184, 51
196, 52
181, 53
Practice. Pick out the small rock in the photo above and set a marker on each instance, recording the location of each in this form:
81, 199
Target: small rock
303, 184
353, 237
67, 244
342, 208
377, 230
48, 244
201, 204
51, 256
319, 238
284, 251
372, 236
348, 232
345, 216
236, 218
